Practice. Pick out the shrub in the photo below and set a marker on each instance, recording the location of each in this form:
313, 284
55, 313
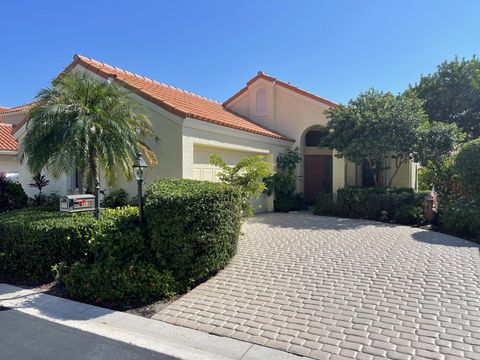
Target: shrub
194, 226
410, 215
461, 217
443, 176
129, 284
369, 203
324, 205
467, 165
286, 203
283, 183
12, 195
33, 241
120, 239
247, 176
116, 198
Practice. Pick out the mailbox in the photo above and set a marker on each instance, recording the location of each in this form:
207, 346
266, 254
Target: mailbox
77, 203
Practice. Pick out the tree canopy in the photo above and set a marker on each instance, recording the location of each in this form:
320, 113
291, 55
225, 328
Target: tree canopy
378, 126
452, 94
81, 123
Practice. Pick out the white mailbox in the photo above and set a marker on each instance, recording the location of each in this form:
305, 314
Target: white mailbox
77, 203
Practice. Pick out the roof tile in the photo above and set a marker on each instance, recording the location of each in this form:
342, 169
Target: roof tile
7, 140
177, 101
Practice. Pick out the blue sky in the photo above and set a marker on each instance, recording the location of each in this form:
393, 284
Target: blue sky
334, 49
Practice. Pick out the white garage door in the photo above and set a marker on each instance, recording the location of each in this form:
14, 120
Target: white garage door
203, 170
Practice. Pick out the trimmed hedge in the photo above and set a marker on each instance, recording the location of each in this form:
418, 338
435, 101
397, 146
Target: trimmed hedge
128, 284
194, 226
33, 240
462, 218
400, 204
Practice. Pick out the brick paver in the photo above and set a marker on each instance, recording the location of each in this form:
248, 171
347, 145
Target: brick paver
331, 288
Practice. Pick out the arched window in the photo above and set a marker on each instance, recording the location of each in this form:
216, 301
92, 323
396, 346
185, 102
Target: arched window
261, 102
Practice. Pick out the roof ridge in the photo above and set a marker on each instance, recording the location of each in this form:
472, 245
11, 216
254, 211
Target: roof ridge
145, 78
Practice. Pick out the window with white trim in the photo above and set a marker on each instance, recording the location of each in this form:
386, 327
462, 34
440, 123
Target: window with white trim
261, 102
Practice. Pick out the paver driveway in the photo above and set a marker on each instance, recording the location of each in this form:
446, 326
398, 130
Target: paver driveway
341, 288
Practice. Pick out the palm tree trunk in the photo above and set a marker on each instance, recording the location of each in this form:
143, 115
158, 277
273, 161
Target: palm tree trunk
95, 182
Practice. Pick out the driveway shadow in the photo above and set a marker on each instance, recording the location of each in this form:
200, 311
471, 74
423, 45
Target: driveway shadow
438, 238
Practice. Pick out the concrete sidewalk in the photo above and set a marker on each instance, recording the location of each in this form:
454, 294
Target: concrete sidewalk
135, 330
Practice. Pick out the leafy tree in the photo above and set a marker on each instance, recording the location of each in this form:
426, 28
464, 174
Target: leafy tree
247, 175
436, 141
377, 126
39, 182
452, 94
284, 182
443, 176
467, 165
82, 123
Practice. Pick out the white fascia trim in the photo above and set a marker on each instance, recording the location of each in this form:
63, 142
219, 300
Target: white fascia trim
224, 130
8, 152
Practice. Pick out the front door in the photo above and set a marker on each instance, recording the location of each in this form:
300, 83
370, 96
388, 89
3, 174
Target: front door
318, 176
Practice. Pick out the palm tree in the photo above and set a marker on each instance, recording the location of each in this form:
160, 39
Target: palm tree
85, 124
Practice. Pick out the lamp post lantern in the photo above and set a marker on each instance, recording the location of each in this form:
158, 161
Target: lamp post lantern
139, 167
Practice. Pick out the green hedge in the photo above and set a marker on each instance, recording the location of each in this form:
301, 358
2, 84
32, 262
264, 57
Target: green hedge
118, 286
12, 195
33, 240
194, 226
462, 218
400, 204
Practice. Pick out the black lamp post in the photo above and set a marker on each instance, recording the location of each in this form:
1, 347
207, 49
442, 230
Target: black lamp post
139, 165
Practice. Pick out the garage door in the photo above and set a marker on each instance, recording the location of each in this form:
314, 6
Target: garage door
203, 170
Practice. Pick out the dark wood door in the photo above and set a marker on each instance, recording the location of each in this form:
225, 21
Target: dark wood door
318, 176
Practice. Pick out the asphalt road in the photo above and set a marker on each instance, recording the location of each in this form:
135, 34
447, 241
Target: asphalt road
24, 337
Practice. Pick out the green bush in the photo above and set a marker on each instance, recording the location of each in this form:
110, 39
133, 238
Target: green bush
375, 204
288, 202
467, 165
116, 198
12, 195
410, 215
120, 239
33, 240
324, 205
194, 226
461, 217
128, 284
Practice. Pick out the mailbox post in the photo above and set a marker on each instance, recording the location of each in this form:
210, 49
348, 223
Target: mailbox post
139, 165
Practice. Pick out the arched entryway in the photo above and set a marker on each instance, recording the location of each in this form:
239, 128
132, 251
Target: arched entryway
317, 164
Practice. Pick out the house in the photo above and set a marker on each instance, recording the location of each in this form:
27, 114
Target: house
9, 165
264, 117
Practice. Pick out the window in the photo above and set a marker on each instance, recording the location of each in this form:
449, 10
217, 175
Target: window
261, 102
367, 175
316, 138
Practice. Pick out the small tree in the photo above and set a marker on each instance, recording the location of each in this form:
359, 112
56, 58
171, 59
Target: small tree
376, 126
284, 182
39, 182
467, 165
247, 175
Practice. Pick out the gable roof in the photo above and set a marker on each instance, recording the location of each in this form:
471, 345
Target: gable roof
175, 100
7, 141
19, 108
262, 75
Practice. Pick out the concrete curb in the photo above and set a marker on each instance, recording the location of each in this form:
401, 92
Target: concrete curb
151, 334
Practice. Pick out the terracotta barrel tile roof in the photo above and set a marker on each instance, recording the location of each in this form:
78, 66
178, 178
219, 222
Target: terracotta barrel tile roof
7, 140
177, 101
24, 107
